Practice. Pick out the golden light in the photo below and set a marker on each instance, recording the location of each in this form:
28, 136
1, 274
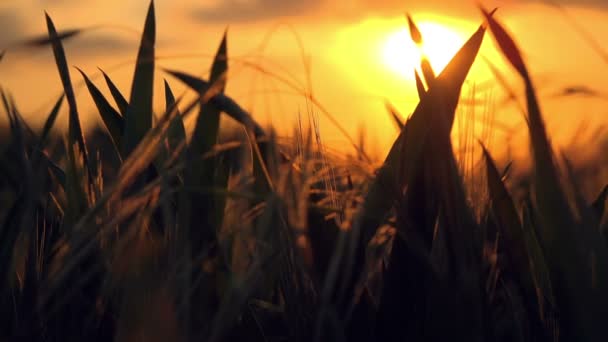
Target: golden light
440, 43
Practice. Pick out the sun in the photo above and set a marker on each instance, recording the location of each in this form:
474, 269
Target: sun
402, 56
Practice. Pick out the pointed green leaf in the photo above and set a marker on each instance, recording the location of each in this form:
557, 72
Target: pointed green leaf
75, 130
177, 132
138, 119
427, 70
408, 145
419, 85
414, 31
120, 100
111, 118
50, 121
506, 44
563, 241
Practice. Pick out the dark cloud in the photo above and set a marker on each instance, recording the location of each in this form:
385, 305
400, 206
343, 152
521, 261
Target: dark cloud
231, 11
97, 44
12, 27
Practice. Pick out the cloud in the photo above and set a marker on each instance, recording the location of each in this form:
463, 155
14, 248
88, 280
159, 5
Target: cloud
231, 11
12, 27
96, 44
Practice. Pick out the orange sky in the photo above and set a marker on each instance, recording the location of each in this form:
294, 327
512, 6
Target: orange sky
346, 42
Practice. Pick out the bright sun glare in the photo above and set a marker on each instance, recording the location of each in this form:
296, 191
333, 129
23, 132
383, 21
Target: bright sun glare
402, 56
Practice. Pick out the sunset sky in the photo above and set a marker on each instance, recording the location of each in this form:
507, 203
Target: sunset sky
359, 52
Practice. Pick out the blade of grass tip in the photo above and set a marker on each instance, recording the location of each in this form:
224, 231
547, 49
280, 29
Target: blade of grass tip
564, 244
177, 132
506, 44
120, 100
427, 70
419, 85
414, 31
75, 130
447, 88
425, 65
397, 120
138, 119
207, 126
111, 118
395, 173
50, 121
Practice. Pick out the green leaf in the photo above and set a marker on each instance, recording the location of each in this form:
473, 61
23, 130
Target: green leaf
391, 176
414, 31
75, 135
419, 85
111, 118
538, 263
177, 132
120, 100
50, 121
516, 242
138, 119
563, 241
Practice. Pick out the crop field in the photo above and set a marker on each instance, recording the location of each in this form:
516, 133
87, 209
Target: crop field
148, 230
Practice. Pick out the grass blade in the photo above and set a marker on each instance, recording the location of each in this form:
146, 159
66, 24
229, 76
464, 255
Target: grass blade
75, 130
138, 119
414, 31
50, 121
419, 85
111, 118
400, 165
120, 100
177, 132
570, 269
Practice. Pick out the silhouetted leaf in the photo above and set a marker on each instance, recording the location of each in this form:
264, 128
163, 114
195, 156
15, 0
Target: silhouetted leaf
419, 85
120, 100
50, 121
177, 132
111, 118
138, 119
75, 130
414, 31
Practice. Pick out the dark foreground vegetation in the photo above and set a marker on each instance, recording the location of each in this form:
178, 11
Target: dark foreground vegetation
151, 236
